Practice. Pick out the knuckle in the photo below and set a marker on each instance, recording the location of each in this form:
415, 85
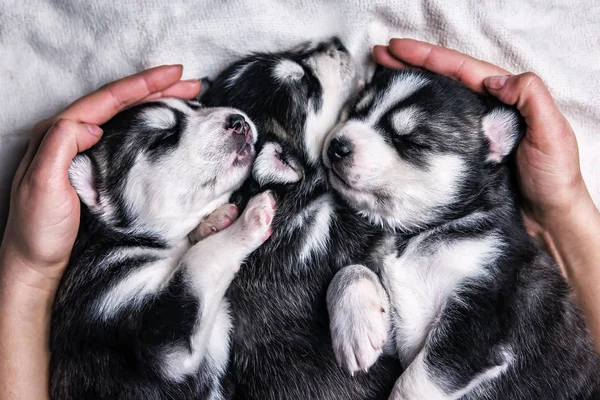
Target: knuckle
531, 79
42, 125
62, 124
115, 95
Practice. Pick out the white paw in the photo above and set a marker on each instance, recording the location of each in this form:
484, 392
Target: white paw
359, 327
254, 225
218, 220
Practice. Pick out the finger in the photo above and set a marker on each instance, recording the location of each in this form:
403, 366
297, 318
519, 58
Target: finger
37, 134
382, 56
182, 89
24, 164
468, 70
547, 126
60, 145
100, 106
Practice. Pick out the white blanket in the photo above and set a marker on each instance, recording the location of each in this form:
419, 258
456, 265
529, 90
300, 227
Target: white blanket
54, 51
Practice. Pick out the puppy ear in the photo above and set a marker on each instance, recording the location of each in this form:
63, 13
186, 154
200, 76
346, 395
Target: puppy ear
501, 127
81, 175
274, 166
301, 47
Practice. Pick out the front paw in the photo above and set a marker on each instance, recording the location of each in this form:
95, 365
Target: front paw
218, 220
254, 225
359, 326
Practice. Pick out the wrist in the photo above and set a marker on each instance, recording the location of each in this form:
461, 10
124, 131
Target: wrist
571, 234
571, 204
25, 313
578, 218
24, 281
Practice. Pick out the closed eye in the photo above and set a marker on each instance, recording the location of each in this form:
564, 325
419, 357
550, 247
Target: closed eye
165, 139
284, 158
289, 161
162, 140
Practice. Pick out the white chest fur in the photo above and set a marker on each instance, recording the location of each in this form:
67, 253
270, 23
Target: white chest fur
422, 278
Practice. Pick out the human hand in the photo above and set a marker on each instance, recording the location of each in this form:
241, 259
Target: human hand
547, 158
44, 211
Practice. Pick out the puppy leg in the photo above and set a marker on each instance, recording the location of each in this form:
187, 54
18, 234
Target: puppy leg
462, 354
207, 270
416, 383
359, 317
212, 263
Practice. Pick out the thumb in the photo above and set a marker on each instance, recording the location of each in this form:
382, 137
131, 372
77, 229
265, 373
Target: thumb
547, 127
60, 145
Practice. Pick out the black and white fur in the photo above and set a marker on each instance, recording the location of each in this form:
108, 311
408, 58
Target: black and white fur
281, 347
140, 312
473, 307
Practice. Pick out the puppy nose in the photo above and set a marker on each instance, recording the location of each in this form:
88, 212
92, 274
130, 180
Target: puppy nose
338, 149
338, 44
236, 123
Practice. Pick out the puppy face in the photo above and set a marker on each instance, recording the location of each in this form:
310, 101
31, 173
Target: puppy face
162, 166
295, 97
416, 146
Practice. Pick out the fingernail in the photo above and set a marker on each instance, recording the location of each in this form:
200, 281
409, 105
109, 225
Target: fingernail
495, 82
94, 129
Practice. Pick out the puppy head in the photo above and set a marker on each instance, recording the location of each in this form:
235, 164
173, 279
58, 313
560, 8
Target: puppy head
295, 97
416, 147
162, 166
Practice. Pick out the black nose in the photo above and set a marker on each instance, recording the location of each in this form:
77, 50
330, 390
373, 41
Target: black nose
338, 149
236, 123
338, 44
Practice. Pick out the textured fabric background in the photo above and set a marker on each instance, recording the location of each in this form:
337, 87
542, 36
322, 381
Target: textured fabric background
54, 51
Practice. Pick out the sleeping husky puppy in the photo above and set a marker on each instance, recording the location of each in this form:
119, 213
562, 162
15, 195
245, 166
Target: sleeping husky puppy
140, 312
474, 307
281, 347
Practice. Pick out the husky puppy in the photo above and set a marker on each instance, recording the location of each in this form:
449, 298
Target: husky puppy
474, 308
281, 346
140, 312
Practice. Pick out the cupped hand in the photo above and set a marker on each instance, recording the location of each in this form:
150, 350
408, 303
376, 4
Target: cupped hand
547, 158
44, 211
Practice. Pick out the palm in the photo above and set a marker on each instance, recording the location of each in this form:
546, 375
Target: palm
60, 229
548, 171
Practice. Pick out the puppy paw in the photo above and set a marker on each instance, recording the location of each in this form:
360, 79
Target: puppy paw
220, 219
254, 225
359, 326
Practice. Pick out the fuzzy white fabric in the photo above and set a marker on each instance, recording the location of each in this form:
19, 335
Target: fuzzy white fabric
54, 51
